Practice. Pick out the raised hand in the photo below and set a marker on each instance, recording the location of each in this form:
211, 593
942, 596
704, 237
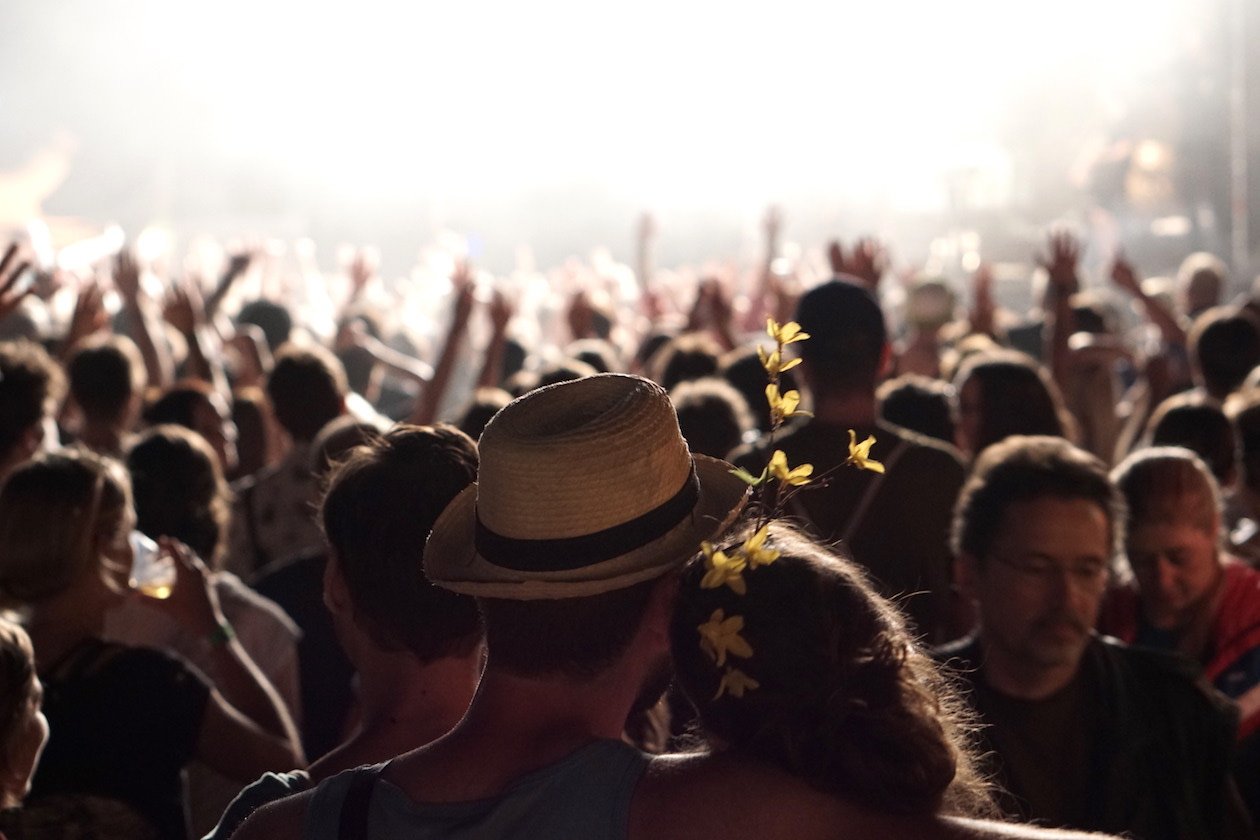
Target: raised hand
1125, 277
11, 270
580, 316
193, 601
501, 311
89, 316
463, 282
182, 308
868, 261
127, 276
362, 269
982, 305
1060, 262
835, 257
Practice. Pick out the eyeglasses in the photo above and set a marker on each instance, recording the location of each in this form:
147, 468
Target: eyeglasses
1088, 574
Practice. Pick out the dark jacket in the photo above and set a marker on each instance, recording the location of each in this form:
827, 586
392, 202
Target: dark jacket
1160, 765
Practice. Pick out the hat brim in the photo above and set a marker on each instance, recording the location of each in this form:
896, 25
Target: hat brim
452, 562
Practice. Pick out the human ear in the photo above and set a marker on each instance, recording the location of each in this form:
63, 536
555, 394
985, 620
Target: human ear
336, 593
966, 571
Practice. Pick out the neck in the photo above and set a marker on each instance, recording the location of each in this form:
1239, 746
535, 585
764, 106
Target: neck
854, 408
100, 436
66, 620
396, 688
405, 704
549, 717
1017, 677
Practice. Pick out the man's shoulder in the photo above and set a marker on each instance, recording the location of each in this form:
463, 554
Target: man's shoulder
1144, 678
922, 448
279, 820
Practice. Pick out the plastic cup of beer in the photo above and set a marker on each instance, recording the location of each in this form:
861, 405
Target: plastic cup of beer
152, 573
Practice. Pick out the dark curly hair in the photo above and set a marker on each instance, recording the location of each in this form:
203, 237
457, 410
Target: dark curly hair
846, 700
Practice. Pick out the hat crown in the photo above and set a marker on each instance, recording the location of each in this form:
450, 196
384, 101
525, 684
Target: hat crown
580, 457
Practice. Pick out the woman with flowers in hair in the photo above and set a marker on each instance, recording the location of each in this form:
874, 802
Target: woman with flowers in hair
822, 717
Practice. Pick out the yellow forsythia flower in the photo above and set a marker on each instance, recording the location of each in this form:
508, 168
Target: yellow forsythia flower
859, 454
735, 682
795, 476
773, 362
720, 636
723, 569
754, 552
788, 333
782, 406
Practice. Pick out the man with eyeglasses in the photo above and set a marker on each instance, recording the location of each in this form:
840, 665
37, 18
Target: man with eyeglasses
1083, 732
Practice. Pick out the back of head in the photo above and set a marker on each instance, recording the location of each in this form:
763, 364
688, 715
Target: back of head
1202, 278
485, 403
1201, 426
684, 358
596, 352
918, 403
742, 368
55, 512
565, 370
1021, 469
105, 373
586, 496
812, 671
31, 385
307, 388
178, 404
335, 441
848, 336
1225, 346
1168, 484
380, 505
178, 488
713, 416
1015, 397
270, 317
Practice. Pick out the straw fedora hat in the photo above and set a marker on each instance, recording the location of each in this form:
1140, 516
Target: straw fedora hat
584, 487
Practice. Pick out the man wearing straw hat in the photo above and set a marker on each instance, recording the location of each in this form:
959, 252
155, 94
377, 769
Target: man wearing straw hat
587, 498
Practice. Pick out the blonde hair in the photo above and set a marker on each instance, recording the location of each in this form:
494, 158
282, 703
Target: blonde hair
54, 513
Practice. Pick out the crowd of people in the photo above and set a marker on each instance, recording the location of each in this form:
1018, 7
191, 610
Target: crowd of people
628, 552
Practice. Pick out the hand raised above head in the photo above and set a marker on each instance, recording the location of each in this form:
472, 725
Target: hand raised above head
89, 314
1064, 251
127, 276
182, 308
501, 309
11, 269
1125, 276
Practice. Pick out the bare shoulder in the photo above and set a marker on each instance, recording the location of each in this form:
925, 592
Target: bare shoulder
279, 820
733, 797
967, 829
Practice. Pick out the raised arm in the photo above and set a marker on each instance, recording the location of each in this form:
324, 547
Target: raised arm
982, 307
1060, 265
184, 311
1126, 278
11, 269
501, 312
431, 397
247, 729
157, 364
